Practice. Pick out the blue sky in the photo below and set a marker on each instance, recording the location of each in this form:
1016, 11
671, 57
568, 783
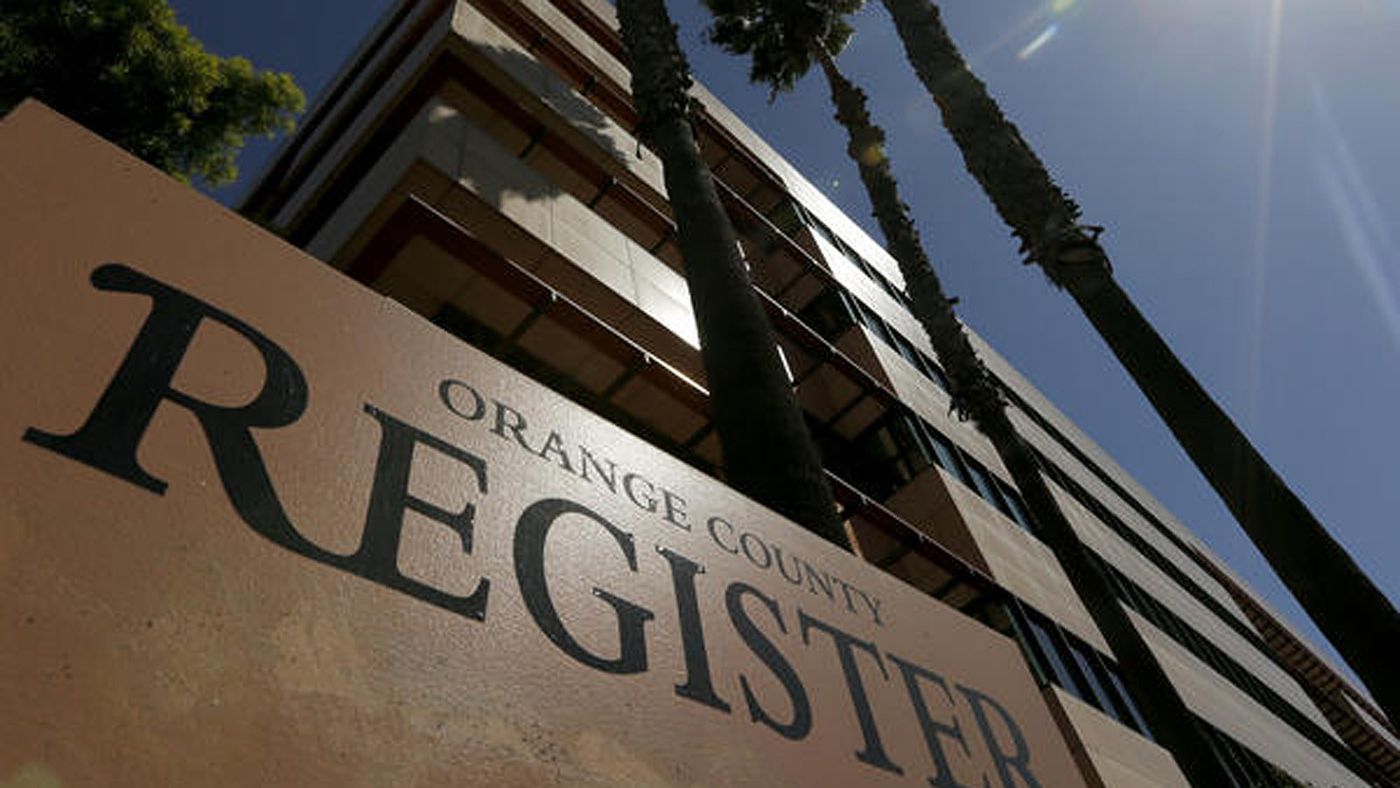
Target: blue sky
1243, 156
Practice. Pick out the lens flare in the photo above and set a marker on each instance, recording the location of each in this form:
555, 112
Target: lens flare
1263, 205
1038, 42
1026, 24
1369, 243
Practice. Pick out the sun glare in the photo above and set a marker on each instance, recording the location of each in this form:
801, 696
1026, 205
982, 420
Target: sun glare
1029, 50
1263, 187
1030, 22
1353, 203
1057, 8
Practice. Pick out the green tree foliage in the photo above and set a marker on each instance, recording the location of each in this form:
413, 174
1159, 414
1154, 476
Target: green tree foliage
973, 390
1349, 609
130, 71
781, 39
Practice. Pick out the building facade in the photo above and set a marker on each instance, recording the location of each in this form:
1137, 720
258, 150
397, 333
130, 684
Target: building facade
475, 160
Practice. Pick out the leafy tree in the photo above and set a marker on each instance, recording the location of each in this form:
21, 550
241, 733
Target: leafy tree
767, 450
128, 70
783, 39
1354, 615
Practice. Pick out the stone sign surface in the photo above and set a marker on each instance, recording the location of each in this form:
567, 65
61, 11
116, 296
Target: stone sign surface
259, 525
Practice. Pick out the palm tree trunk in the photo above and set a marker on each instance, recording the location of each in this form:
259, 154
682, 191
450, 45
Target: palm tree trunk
1337, 594
975, 395
768, 453
1354, 615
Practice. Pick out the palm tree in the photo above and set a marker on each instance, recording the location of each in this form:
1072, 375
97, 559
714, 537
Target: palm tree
1354, 615
783, 39
768, 453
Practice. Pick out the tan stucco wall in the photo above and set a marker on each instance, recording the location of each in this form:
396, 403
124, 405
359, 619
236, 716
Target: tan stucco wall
1115, 756
1227, 708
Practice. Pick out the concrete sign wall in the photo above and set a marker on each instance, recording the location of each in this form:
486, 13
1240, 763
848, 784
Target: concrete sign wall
260, 525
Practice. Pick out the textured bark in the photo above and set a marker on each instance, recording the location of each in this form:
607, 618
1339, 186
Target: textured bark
1354, 615
768, 453
975, 395
1039, 213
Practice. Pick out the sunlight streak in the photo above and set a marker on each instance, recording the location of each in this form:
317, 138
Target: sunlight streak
1049, 13
1031, 21
1359, 219
1029, 50
1265, 168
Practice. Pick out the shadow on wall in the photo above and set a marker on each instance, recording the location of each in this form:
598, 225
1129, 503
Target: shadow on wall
548, 176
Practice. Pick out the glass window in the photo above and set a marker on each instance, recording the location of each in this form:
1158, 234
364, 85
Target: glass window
946, 454
891, 452
804, 213
825, 232
829, 314
786, 218
1129, 591
875, 323
1117, 582
982, 481
887, 285
920, 361
925, 366
936, 373
857, 260
881, 281
908, 351
913, 456
1244, 766
1049, 651
1084, 660
1017, 505
1127, 710
874, 451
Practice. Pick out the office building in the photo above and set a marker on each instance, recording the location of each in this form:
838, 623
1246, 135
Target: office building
475, 161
